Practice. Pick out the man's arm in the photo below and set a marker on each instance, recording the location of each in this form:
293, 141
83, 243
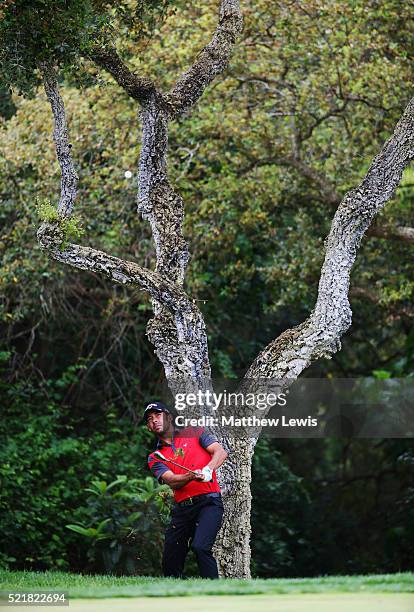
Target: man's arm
164, 475
176, 481
218, 455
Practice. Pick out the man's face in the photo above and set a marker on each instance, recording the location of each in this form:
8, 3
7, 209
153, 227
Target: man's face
158, 422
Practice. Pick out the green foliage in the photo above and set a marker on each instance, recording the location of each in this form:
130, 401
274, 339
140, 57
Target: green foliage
48, 455
359, 510
70, 227
122, 524
32, 32
62, 31
400, 366
47, 212
7, 107
279, 505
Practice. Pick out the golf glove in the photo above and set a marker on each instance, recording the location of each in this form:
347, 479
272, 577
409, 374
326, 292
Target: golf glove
207, 473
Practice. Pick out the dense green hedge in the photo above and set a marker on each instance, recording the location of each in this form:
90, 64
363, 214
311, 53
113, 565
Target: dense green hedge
48, 457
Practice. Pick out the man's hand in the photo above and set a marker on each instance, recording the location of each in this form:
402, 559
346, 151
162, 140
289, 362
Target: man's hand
177, 481
218, 455
207, 473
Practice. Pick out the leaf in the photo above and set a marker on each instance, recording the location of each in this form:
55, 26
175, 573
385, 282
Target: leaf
102, 525
381, 374
120, 480
82, 530
134, 516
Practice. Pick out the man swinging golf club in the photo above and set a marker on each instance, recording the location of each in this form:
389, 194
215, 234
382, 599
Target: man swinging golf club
186, 460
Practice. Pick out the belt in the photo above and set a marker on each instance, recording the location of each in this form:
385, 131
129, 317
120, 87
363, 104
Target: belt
196, 498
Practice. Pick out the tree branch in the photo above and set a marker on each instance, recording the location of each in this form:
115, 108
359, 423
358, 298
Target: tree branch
51, 237
178, 329
319, 335
331, 197
69, 177
135, 86
319, 120
393, 232
212, 60
186, 324
396, 311
118, 270
327, 190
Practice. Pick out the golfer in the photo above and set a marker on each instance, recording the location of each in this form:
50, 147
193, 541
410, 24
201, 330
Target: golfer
198, 508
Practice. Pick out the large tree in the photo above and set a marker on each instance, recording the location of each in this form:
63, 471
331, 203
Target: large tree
177, 329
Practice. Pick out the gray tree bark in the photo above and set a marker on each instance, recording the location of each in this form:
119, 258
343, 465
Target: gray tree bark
177, 329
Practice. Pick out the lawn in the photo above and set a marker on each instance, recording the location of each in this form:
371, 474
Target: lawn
104, 586
375, 593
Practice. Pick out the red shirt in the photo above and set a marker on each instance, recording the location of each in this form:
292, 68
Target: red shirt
193, 443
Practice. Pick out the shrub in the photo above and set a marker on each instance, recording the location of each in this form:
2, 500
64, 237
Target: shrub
123, 523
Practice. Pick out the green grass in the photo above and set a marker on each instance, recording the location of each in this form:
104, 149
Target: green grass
98, 586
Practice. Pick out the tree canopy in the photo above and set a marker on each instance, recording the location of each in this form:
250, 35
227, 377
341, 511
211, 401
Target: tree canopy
65, 31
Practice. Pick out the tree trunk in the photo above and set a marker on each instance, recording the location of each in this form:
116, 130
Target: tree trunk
232, 547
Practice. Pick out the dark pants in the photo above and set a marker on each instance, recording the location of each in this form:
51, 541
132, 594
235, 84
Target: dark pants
196, 525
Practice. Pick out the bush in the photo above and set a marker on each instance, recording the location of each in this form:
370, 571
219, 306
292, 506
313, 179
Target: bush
48, 456
123, 525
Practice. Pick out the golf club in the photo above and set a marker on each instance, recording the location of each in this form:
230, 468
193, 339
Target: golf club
159, 455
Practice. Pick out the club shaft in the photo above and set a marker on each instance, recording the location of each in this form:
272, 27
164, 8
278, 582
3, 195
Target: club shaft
181, 466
